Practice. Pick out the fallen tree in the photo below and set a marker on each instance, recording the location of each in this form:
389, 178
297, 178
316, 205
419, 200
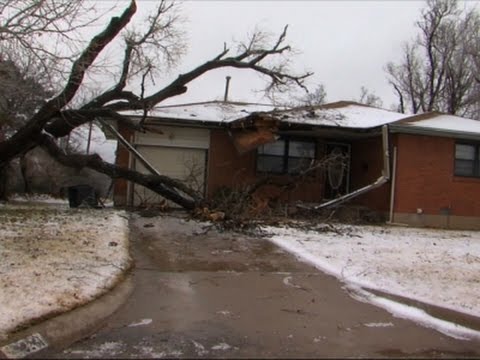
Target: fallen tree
59, 115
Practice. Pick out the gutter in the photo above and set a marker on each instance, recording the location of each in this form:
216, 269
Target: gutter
420, 130
185, 122
384, 178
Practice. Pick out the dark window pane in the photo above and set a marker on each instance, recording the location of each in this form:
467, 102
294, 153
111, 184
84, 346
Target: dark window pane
267, 163
301, 149
464, 152
296, 165
464, 167
276, 148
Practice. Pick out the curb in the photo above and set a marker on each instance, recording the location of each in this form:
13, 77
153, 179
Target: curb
457, 317
64, 329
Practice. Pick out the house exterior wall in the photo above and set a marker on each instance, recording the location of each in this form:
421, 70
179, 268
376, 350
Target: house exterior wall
227, 168
427, 193
365, 168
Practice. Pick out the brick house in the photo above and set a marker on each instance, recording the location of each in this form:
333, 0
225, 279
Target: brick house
422, 170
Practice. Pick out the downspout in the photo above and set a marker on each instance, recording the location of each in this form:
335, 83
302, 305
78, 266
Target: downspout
392, 188
384, 178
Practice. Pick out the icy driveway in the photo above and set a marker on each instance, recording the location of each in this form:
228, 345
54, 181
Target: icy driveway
56, 258
438, 267
202, 293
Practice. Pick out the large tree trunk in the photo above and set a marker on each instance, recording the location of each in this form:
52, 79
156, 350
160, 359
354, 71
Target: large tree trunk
165, 186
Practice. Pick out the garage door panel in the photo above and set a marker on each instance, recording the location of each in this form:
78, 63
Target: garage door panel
171, 136
186, 165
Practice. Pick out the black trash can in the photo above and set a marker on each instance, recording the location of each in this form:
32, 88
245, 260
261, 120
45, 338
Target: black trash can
82, 195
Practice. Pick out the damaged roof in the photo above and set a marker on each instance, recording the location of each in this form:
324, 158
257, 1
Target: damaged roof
343, 114
340, 115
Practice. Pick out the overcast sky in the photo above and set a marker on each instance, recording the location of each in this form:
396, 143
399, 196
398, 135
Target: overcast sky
345, 43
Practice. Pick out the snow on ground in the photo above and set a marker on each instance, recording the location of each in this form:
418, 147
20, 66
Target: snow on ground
55, 258
36, 198
438, 267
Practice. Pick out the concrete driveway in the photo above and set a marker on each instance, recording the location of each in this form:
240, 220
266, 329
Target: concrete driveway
201, 293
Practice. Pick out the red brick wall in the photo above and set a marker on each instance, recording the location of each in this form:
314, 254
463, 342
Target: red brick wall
365, 168
227, 168
425, 178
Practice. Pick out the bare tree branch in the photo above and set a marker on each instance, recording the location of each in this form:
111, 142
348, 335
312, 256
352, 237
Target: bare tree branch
277, 76
33, 128
437, 72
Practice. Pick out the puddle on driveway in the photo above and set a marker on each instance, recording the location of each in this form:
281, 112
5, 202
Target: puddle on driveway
179, 245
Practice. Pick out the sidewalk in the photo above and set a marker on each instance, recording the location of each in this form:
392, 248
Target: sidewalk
63, 330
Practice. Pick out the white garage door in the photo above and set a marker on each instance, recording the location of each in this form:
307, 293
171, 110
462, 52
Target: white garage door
186, 161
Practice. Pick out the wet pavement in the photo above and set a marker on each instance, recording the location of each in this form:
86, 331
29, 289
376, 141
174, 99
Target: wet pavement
201, 293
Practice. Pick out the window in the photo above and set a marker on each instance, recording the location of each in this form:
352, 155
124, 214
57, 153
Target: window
285, 156
467, 160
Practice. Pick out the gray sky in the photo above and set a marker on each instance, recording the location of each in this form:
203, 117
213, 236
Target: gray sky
345, 43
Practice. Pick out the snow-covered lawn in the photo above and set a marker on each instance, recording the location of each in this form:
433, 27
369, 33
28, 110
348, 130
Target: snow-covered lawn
438, 267
55, 258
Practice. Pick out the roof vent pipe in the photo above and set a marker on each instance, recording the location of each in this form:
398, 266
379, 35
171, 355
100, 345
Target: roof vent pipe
227, 84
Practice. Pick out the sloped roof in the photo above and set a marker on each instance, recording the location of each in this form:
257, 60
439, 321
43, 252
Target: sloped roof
441, 122
344, 114
210, 111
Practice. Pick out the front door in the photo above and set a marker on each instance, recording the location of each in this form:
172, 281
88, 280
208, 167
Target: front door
337, 174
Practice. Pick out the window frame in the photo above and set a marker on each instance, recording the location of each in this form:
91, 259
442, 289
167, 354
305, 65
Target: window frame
286, 156
476, 159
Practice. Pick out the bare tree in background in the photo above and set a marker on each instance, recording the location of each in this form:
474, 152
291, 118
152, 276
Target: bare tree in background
20, 96
305, 96
369, 98
317, 96
31, 62
439, 70
41, 36
146, 49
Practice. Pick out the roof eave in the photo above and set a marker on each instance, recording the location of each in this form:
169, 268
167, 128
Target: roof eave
419, 130
154, 120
